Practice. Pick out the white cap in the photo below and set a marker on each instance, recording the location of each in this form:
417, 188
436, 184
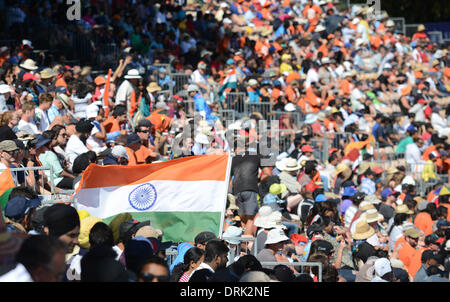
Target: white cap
202, 139
356, 21
192, 87
232, 231
4, 88
92, 110
252, 82
133, 74
275, 236
409, 180
227, 21
119, 151
382, 266
289, 107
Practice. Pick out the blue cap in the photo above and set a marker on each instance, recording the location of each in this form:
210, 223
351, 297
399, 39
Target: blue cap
230, 61
41, 141
386, 193
60, 89
442, 223
18, 207
348, 45
270, 198
321, 198
349, 191
181, 251
276, 83
411, 128
161, 69
414, 44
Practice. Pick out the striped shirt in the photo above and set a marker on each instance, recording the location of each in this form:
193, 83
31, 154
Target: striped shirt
185, 278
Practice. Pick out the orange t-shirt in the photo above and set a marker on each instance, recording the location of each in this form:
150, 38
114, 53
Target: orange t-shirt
410, 256
293, 76
142, 154
111, 125
132, 161
424, 222
312, 99
61, 82
345, 87
161, 122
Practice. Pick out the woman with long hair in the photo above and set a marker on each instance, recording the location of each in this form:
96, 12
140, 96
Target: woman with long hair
192, 259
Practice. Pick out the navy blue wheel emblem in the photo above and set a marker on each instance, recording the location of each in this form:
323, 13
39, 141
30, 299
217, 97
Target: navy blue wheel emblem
143, 197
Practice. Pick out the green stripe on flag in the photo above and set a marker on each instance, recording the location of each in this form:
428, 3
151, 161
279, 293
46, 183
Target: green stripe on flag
179, 226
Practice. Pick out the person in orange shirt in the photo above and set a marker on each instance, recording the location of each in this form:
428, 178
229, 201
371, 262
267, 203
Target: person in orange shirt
133, 144
146, 153
409, 252
65, 76
292, 92
312, 12
116, 120
312, 97
424, 220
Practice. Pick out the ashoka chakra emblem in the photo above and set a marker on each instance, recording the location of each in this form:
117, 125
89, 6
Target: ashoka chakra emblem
143, 197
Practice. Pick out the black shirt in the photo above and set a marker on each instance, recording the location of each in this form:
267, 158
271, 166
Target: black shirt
244, 169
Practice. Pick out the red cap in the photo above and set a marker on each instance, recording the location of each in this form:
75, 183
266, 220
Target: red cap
309, 54
440, 240
331, 151
29, 76
377, 170
422, 101
297, 238
310, 187
307, 148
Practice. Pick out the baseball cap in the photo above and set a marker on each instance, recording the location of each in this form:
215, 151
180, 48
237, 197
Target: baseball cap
204, 237
411, 128
433, 239
133, 138
119, 151
299, 239
130, 227
386, 193
427, 255
8, 145
382, 266
321, 198
412, 232
283, 273
312, 229
349, 191
307, 148
442, 223
325, 247
310, 187
17, 207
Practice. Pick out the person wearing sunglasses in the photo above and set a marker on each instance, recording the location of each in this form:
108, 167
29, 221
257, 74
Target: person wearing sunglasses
9, 152
154, 269
146, 152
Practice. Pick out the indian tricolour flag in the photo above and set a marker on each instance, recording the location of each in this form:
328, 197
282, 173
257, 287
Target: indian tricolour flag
228, 84
183, 197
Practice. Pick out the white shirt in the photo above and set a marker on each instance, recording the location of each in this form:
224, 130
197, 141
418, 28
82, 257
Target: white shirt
203, 266
311, 76
124, 92
28, 127
197, 77
74, 148
413, 156
18, 274
43, 122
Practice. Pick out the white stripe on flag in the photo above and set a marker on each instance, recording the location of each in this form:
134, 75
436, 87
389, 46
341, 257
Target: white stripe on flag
171, 196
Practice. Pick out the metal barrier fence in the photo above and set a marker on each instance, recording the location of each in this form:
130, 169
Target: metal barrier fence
240, 239
262, 107
189, 108
227, 114
180, 79
16, 173
297, 264
295, 116
166, 66
236, 101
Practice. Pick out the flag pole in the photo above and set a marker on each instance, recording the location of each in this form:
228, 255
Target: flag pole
106, 94
227, 184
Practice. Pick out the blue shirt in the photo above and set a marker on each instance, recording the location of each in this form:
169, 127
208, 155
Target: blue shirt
368, 186
201, 105
53, 112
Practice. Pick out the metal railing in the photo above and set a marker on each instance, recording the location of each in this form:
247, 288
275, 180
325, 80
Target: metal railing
262, 107
26, 170
180, 79
302, 265
236, 101
243, 239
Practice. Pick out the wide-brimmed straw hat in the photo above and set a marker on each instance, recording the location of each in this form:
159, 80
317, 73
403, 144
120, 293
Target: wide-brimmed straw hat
363, 230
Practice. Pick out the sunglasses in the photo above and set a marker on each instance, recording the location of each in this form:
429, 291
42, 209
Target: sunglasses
149, 278
144, 131
63, 135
